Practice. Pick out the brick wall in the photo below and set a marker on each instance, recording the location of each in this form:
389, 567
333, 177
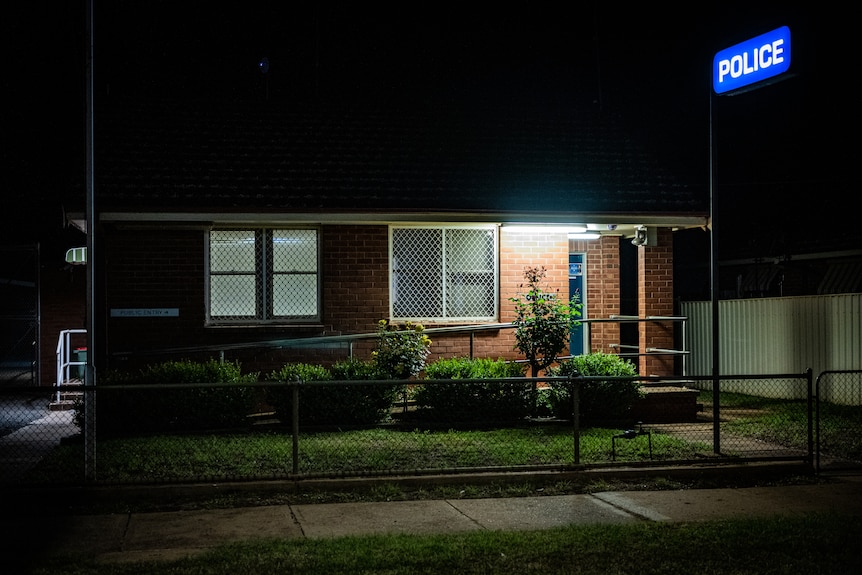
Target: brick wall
355, 274
153, 269
655, 298
522, 250
165, 268
603, 291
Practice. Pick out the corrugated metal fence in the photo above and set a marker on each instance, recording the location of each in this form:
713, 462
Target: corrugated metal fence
778, 335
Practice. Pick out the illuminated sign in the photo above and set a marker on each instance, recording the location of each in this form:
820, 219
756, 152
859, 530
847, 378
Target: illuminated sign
752, 61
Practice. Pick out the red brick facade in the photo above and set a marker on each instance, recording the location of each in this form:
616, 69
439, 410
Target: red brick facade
603, 291
655, 298
520, 251
165, 268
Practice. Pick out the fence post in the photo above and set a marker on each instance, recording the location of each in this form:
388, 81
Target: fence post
575, 387
809, 381
294, 418
716, 414
90, 422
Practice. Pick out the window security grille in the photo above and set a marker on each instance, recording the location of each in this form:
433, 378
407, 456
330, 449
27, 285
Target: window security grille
258, 275
444, 274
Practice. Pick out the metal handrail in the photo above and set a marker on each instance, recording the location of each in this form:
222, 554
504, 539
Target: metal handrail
63, 357
350, 338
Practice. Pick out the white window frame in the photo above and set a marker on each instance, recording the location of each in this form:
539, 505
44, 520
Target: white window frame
264, 274
444, 318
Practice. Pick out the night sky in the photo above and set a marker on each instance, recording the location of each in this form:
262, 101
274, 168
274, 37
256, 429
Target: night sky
782, 153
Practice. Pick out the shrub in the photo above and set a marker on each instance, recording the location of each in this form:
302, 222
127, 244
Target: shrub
476, 401
400, 353
355, 370
281, 398
599, 400
334, 403
173, 408
366, 403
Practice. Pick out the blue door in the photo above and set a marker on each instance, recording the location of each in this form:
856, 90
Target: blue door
576, 288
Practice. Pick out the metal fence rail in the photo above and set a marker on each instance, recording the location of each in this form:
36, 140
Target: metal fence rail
160, 436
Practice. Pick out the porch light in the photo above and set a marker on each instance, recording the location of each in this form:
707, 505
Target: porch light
536, 229
76, 256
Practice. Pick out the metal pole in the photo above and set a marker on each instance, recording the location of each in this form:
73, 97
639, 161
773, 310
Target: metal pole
713, 255
810, 418
90, 371
36, 369
576, 418
294, 424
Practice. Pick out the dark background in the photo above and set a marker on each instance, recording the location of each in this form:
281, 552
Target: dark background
782, 152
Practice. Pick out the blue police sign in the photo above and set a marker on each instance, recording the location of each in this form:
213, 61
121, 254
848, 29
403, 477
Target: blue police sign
752, 61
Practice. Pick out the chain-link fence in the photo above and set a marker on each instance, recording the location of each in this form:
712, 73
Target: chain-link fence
266, 430
838, 420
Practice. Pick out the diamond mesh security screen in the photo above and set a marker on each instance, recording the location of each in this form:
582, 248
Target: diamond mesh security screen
444, 273
263, 274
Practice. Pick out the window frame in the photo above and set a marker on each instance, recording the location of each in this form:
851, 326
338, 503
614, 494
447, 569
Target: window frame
264, 277
444, 318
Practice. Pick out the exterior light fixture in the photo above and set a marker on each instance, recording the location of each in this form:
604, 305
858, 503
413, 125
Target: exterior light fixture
76, 256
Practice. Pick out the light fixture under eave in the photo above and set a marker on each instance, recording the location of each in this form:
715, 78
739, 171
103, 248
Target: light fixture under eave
549, 229
584, 236
76, 256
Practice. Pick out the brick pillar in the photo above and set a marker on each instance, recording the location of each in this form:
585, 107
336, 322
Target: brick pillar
655, 298
603, 292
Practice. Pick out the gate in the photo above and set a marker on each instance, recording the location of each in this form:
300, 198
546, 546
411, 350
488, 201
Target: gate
19, 315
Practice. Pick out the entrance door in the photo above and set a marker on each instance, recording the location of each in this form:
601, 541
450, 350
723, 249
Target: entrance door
576, 288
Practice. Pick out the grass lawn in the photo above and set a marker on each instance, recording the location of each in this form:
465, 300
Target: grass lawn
812, 544
196, 457
799, 545
268, 454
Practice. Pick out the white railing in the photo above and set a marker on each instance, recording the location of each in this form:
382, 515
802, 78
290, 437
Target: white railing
64, 358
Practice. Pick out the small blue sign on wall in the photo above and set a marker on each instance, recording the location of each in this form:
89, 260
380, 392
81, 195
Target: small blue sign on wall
752, 61
146, 312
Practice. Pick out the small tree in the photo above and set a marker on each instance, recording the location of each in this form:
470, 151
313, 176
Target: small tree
544, 321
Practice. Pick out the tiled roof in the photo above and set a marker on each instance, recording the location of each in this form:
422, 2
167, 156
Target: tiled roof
268, 157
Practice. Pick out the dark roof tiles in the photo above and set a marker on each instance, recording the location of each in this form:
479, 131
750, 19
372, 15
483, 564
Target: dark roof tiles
180, 156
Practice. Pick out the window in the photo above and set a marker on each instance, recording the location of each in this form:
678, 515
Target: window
263, 275
444, 273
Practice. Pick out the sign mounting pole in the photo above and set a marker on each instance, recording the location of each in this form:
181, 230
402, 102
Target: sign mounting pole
740, 68
90, 370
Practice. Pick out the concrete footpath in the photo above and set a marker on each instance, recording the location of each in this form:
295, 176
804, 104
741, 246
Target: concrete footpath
171, 535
